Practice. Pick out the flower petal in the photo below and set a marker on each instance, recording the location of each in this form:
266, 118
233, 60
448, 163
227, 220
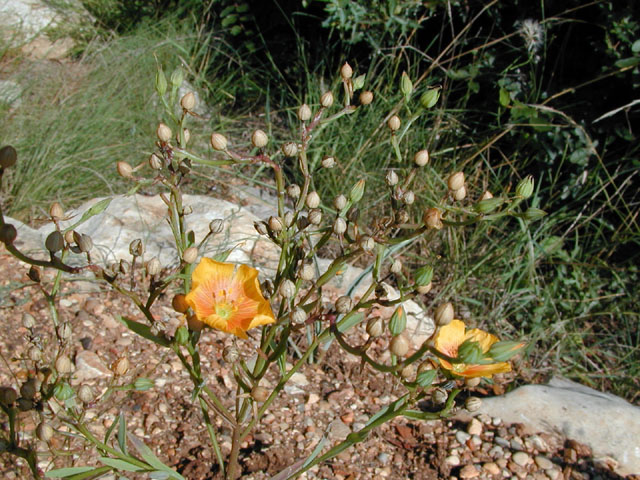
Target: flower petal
484, 370
484, 339
212, 272
449, 337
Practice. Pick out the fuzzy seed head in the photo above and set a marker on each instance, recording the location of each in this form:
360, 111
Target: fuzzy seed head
456, 181
313, 200
421, 158
326, 100
399, 345
366, 97
304, 112
218, 142
394, 123
290, 149
188, 101
259, 139
190, 255
443, 314
124, 169
164, 133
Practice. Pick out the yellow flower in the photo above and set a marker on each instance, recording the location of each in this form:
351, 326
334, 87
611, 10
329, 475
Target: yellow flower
227, 298
447, 341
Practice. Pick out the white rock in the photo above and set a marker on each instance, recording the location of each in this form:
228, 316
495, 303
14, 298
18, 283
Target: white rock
607, 424
89, 366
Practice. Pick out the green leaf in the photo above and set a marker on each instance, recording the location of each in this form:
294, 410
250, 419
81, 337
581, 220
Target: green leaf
110, 430
222, 256
94, 473
426, 377
122, 433
146, 453
159, 475
144, 331
121, 464
628, 62
505, 98
350, 321
94, 210
67, 472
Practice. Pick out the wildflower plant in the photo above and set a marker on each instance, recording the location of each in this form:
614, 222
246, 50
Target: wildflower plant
213, 297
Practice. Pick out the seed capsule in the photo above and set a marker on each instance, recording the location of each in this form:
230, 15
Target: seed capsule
29, 389
287, 288
298, 316
307, 272
164, 133
375, 326
259, 139
486, 195
340, 202
367, 243
120, 366
313, 200
85, 394
290, 149
55, 211
179, 303
473, 404
346, 72
275, 224
460, 194
326, 100
433, 218
421, 158
366, 97
44, 431
194, 324
391, 178
216, 225
155, 162
315, 216
218, 142
8, 395
439, 396
409, 197
190, 255
124, 169
259, 394
339, 226
63, 364
408, 372
399, 345
153, 267
328, 162
136, 248
396, 266
304, 112
293, 191
8, 156
456, 181
28, 321
344, 304
394, 123
443, 314
230, 354
188, 101
261, 228
54, 242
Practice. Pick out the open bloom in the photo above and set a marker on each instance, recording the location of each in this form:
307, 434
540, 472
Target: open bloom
448, 340
228, 298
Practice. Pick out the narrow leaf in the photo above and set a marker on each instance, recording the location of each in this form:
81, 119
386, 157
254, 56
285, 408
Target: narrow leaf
122, 433
67, 472
144, 331
121, 464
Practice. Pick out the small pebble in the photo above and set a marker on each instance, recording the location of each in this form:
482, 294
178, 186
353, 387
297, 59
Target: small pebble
474, 427
462, 437
452, 460
502, 462
495, 421
538, 443
492, 468
383, 457
476, 440
469, 471
516, 443
553, 474
503, 442
543, 462
496, 452
521, 458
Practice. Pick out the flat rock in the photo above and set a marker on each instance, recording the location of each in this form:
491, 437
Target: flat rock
89, 366
609, 425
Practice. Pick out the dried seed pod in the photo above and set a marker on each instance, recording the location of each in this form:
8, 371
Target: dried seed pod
63, 364
287, 288
136, 248
472, 382
402, 216
259, 394
346, 72
164, 133
408, 372
421, 158
275, 224
315, 216
64, 331
30, 388
218, 142
230, 354
188, 101
84, 242
8, 395
391, 178
455, 181
340, 202
34, 274
375, 326
432, 218
394, 123
486, 195
473, 404
459, 194
304, 112
153, 267
54, 242
259, 139
288, 219
443, 314
56, 211
216, 225
8, 233
261, 228
155, 162
307, 272
439, 396
120, 366
28, 321
424, 289
312, 200
366, 97
44, 431
326, 100
86, 394
190, 255
339, 226
8, 156
367, 243
399, 345
290, 149
194, 324
298, 316
408, 197
293, 191
124, 169
344, 304
328, 162
396, 266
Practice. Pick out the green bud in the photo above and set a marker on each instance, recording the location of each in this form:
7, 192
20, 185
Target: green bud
161, 82
357, 191
430, 97
524, 189
63, 391
141, 384
533, 214
503, 351
424, 275
358, 82
426, 377
470, 352
398, 321
406, 86
488, 205
177, 77
182, 336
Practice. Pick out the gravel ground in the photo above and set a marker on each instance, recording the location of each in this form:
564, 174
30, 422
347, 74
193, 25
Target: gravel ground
335, 397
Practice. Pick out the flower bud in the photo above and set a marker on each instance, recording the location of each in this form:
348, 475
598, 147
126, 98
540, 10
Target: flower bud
143, 384
216, 225
293, 191
375, 327
340, 202
63, 364
28, 321
421, 158
398, 321
188, 101
524, 189
153, 267
488, 205
473, 404
423, 275
8, 395
315, 216
179, 303
155, 162
406, 86
182, 335
124, 169
304, 112
307, 272
29, 388
366, 97
328, 162
339, 226
357, 191
120, 366
326, 100
8, 233
190, 255
85, 394
34, 274
298, 316
54, 242
344, 304
433, 218
456, 181
8, 156
505, 350
533, 214
290, 149
313, 200
399, 345
393, 123
261, 228
218, 142
459, 194
44, 431
409, 197
194, 324
177, 77
259, 394
164, 133
275, 224
346, 72
391, 178
443, 314
367, 243
230, 354
259, 139
55, 211
287, 289
136, 248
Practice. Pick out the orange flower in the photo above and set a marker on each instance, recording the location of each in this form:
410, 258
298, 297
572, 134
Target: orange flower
227, 298
447, 341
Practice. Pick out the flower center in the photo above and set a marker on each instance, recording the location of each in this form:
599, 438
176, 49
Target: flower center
224, 304
224, 310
